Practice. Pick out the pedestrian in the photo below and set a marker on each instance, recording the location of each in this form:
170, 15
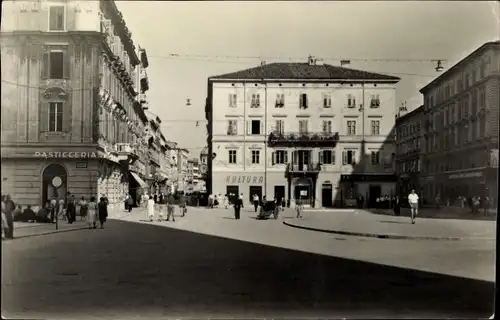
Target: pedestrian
397, 206
170, 208
298, 209
283, 204
83, 208
10, 206
92, 213
53, 206
256, 202
413, 201
151, 208
238, 204
226, 201
71, 209
183, 205
125, 202
130, 203
102, 211
61, 211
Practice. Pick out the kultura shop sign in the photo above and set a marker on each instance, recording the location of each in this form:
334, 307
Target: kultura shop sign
244, 179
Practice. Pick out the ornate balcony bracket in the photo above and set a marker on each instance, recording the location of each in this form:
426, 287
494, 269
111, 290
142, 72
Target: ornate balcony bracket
306, 139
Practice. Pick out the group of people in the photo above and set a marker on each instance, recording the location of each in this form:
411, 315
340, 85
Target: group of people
158, 203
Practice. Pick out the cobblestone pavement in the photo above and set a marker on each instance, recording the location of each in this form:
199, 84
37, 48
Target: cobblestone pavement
361, 222
199, 267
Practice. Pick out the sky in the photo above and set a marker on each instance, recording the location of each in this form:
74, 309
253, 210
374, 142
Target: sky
211, 38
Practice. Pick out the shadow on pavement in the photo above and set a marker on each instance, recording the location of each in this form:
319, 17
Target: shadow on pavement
399, 222
131, 269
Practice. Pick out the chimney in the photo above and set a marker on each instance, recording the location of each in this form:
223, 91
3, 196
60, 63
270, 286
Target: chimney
345, 63
263, 63
311, 60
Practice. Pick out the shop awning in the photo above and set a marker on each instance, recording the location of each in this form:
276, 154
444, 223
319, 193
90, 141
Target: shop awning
139, 180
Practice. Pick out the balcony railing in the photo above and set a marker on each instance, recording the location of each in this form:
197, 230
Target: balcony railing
311, 167
277, 138
125, 151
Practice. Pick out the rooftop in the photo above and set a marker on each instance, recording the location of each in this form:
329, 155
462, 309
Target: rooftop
303, 71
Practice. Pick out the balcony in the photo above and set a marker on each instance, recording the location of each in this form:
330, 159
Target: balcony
304, 168
126, 152
306, 139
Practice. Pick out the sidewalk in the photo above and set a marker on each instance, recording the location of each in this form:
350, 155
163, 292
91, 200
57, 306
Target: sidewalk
363, 223
25, 229
443, 213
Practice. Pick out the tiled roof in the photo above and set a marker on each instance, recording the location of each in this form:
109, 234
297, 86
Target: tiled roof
299, 71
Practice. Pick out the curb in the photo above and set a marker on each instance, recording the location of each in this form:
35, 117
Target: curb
375, 235
49, 232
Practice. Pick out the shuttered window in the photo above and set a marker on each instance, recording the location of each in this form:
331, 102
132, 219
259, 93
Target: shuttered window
55, 65
56, 18
55, 116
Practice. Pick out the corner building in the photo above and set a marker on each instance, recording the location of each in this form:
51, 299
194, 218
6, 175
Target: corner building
312, 132
67, 86
460, 132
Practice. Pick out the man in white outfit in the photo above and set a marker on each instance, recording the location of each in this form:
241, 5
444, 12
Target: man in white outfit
413, 201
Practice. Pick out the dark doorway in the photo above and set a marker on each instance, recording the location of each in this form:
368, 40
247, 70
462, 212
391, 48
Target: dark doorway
279, 192
132, 189
327, 195
302, 191
49, 190
232, 193
375, 191
255, 190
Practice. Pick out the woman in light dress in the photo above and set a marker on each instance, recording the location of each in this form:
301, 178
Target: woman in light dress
151, 208
226, 201
92, 213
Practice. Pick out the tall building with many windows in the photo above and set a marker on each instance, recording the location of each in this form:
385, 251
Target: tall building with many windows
460, 144
70, 118
312, 132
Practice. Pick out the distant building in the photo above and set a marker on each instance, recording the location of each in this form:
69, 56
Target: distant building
312, 132
182, 169
408, 152
460, 145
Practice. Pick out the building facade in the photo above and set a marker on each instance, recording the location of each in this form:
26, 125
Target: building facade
182, 169
408, 152
461, 109
319, 133
70, 120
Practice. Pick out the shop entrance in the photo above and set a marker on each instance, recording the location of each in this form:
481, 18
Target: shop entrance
255, 190
279, 193
327, 195
303, 191
232, 193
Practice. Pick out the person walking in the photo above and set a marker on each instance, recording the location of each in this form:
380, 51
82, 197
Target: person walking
102, 211
10, 206
226, 201
413, 201
125, 202
397, 206
92, 213
255, 202
130, 203
170, 208
298, 209
238, 204
71, 209
83, 208
151, 208
53, 206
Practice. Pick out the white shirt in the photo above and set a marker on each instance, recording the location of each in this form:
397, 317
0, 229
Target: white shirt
413, 198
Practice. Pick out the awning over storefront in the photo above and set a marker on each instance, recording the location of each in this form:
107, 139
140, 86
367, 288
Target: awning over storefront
139, 180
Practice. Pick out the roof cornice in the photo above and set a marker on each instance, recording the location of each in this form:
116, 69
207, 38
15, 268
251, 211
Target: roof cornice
340, 81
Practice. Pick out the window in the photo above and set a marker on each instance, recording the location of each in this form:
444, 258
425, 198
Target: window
232, 128
375, 101
482, 99
351, 101
375, 127
280, 126
56, 18
255, 156
54, 65
327, 100
327, 126
303, 126
232, 100
280, 100
255, 101
351, 128
55, 116
232, 156
255, 127
375, 157
348, 157
482, 71
280, 157
327, 157
303, 101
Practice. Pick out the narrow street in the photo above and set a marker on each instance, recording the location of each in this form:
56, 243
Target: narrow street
136, 268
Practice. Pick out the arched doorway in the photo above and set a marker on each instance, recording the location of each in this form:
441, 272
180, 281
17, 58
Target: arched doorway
54, 182
303, 191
